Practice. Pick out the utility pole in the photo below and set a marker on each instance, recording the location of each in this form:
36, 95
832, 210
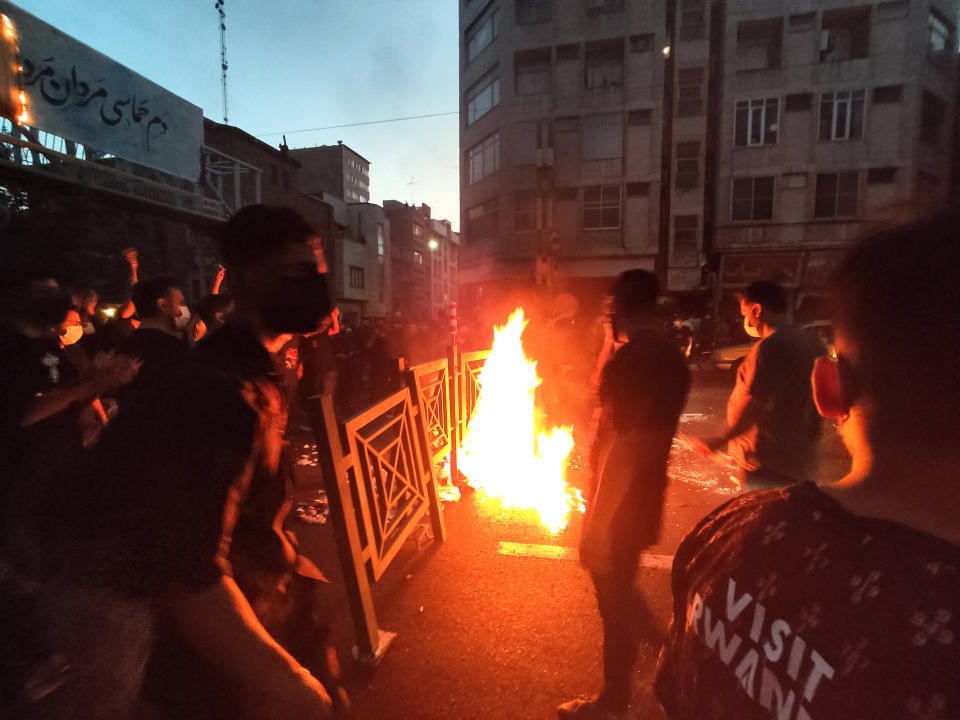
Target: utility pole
222, 16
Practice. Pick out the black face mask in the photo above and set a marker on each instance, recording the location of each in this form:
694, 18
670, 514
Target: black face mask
296, 305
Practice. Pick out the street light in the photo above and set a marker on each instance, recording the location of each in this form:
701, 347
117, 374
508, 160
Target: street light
433, 244
666, 51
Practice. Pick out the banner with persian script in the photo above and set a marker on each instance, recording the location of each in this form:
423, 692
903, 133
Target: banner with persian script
71, 90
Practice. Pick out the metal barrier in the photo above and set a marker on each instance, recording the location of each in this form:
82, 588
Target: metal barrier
379, 470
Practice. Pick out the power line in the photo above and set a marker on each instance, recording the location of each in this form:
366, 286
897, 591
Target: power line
368, 122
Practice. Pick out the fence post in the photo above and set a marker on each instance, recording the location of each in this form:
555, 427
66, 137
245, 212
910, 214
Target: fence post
453, 377
371, 642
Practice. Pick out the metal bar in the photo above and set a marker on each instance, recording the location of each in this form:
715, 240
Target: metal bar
343, 516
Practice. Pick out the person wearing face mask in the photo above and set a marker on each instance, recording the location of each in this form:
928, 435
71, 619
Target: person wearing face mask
840, 600
772, 425
188, 489
158, 343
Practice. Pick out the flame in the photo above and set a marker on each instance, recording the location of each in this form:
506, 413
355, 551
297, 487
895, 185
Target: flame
506, 454
9, 31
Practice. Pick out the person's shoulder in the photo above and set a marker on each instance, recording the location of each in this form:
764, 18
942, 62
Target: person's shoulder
733, 522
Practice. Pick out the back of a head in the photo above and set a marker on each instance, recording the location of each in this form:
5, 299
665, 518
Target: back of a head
771, 296
635, 293
146, 293
255, 232
896, 303
37, 301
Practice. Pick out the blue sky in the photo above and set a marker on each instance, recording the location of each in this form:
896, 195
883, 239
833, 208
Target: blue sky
298, 64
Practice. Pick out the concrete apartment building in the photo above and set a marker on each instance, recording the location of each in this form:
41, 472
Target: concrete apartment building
334, 169
835, 115
424, 261
443, 252
791, 125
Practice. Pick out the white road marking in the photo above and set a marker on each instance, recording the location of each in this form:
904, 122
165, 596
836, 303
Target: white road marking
559, 552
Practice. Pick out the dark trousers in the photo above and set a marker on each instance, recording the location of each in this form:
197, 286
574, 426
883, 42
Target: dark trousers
765, 479
626, 621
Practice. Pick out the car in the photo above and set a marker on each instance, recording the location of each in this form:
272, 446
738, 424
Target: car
730, 357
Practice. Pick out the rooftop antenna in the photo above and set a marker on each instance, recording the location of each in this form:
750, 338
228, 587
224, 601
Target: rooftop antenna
223, 53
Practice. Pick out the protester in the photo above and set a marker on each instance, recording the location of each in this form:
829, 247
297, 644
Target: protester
642, 389
772, 426
158, 343
184, 494
841, 601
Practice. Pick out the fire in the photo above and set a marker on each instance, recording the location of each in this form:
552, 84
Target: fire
506, 453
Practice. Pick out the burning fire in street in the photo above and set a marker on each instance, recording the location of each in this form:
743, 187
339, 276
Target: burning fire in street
507, 454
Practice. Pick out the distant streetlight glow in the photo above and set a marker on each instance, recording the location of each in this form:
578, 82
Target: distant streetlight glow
433, 244
110, 312
666, 51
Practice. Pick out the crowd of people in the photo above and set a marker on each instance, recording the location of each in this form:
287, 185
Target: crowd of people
145, 570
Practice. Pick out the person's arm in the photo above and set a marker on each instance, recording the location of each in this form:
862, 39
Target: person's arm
108, 373
220, 624
218, 280
130, 255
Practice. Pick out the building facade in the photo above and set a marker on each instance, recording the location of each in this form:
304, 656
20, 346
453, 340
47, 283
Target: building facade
366, 261
714, 142
424, 261
334, 169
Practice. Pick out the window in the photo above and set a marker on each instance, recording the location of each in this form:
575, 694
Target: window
483, 96
797, 102
932, 116
841, 115
604, 66
638, 189
752, 199
639, 117
691, 92
688, 165
836, 195
693, 25
595, 7
483, 221
481, 33
417, 230
941, 45
881, 175
356, 276
802, 21
756, 122
685, 233
601, 206
381, 243
887, 94
524, 211
641, 43
532, 72
758, 44
531, 12
565, 53
845, 34
602, 136
484, 158
417, 258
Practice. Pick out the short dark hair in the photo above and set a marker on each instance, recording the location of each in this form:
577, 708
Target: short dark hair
770, 295
146, 293
257, 231
209, 306
896, 298
635, 292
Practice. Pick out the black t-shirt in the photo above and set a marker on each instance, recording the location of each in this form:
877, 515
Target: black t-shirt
786, 605
643, 389
29, 368
182, 468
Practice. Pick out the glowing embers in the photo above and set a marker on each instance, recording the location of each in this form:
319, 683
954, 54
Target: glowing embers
506, 453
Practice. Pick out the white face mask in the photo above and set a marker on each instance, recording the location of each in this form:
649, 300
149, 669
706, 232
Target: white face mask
183, 319
71, 334
750, 329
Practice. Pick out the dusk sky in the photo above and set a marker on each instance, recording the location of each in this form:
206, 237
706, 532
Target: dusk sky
301, 64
